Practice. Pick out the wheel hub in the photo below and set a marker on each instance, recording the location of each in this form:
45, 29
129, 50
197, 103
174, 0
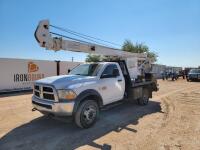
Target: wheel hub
89, 114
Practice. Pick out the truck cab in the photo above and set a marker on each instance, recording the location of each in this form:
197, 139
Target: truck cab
194, 75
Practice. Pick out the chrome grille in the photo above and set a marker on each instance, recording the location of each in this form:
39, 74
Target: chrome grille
44, 92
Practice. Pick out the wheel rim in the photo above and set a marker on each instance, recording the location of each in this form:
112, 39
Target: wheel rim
145, 100
89, 114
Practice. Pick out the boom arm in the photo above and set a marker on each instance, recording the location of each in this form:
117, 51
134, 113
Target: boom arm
45, 39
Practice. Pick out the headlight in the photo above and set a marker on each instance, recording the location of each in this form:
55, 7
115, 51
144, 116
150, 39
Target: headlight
66, 94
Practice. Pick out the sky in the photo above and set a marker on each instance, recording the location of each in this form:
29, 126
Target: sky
171, 28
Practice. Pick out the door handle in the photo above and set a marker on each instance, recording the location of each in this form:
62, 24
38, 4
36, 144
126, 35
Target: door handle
119, 80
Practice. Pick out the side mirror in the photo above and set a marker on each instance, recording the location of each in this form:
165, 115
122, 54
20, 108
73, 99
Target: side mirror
105, 76
68, 71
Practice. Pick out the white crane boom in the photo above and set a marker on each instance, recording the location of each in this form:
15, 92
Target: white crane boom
45, 39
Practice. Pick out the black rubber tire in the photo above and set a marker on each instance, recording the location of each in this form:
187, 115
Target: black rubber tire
144, 100
80, 117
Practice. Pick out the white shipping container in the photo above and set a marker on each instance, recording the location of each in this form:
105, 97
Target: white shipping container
19, 74
157, 70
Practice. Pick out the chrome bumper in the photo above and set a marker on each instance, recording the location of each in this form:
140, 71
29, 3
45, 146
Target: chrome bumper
52, 107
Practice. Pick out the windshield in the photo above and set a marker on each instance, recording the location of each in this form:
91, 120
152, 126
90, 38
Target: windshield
86, 70
195, 71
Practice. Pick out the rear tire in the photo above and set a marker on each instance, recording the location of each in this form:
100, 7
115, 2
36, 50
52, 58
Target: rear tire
87, 114
144, 100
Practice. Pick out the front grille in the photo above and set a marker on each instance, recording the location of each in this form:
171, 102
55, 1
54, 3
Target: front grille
37, 93
44, 92
37, 87
47, 89
48, 96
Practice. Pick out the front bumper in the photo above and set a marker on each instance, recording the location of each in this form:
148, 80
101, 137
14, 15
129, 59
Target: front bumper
52, 107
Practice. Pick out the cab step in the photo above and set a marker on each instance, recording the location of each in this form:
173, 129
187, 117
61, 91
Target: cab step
114, 104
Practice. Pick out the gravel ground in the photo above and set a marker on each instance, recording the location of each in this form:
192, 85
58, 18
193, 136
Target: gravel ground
170, 121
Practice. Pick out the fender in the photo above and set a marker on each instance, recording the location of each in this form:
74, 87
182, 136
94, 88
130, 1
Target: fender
87, 93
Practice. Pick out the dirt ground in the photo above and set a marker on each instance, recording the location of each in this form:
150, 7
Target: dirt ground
171, 121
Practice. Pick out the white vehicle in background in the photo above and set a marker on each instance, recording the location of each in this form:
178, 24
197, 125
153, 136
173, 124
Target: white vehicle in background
91, 86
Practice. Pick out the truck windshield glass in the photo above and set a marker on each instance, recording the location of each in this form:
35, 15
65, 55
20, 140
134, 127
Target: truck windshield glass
86, 70
195, 71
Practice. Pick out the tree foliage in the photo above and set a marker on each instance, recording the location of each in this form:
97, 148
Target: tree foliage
129, 47
139, 48
93, 58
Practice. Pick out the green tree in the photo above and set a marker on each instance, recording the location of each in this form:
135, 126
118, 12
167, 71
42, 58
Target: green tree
139, 48
129, 47
93, 58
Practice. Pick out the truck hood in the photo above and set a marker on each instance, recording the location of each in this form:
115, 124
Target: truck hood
193, 73
67, 81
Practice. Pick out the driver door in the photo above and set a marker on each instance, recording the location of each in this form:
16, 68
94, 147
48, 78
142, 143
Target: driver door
112, 84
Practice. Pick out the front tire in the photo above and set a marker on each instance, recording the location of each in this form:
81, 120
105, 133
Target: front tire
87, 114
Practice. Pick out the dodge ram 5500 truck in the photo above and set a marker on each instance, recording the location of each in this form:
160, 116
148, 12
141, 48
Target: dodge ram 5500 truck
91, 86
86, 90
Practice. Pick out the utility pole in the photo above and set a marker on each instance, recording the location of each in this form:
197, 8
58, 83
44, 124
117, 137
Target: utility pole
72, 59
58, 67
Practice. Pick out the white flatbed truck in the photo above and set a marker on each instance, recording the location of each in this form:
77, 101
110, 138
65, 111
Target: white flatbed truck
89, 87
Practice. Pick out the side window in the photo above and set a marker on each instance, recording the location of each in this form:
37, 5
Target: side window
110, 71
